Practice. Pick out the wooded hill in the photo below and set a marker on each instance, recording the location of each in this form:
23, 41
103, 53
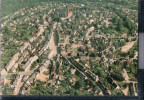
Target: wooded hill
10, 6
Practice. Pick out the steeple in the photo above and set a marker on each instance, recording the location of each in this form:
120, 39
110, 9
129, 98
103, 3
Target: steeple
67, 11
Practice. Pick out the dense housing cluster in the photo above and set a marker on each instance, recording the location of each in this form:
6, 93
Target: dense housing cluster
70, 48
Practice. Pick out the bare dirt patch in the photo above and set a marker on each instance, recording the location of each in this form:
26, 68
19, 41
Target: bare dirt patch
125, 75
125, 91
127, 47
76, 45
136, 54
52, 46
42, 77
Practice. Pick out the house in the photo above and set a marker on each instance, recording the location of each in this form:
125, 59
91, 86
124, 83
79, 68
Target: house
42, 69
83, 58
111, 4
33, 76
24, 92
27, 85
53, 82
12, 61
29, 62
62, 41
58, 82
73, 54
3, 72
25, 78
91, 21
31, 80
15, 82
124, 35
73, 71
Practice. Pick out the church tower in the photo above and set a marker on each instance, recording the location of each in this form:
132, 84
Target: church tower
67, 11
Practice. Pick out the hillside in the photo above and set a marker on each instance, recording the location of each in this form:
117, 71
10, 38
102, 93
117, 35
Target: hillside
11, 6
69, 47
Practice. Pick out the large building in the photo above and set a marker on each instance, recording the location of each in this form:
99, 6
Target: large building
62, 12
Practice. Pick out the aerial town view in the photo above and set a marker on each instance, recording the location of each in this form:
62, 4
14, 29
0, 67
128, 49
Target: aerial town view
69, 47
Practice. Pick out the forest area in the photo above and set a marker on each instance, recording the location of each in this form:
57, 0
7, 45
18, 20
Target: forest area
11, 6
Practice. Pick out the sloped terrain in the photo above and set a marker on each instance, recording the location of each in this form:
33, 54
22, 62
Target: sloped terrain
70, 48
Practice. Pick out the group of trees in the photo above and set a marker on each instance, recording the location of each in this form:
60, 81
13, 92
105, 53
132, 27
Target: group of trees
56, 38
123, 22
44, 88
56, 17
11, 6
21, 33
98, 44
119, 44
39, 89
19, 69
8, 52
117, 76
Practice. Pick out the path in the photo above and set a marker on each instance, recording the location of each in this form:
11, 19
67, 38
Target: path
53, 48
69, 15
